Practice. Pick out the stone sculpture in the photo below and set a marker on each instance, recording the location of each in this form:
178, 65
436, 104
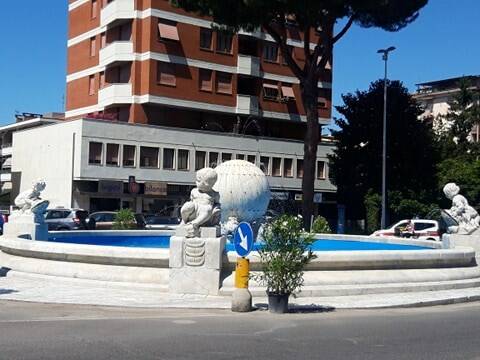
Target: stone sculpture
203, 209
466, 216
29, 202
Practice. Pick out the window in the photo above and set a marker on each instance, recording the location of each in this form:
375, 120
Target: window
226, 157
252, 158
169, 159
240, 157
148, 157
270, 92
224, 43
102, 79
94, 9
213, 159
276, 166
103, 40
91, 85
200, 159
224, 83
112, 154
265, 164
284, 61
320, 169
167, 30
287, 92
418, 226
183, 159
166, 74
129, 155
287, 167
322, 102
299, 168
206, 39
205, 79
270, 52
95, 153
93, 45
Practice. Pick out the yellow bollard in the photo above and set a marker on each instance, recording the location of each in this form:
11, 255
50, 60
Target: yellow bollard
242, 274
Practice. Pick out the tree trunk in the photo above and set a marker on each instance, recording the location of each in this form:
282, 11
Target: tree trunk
312, 136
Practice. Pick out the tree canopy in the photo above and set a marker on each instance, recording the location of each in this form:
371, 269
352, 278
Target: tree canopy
356, 165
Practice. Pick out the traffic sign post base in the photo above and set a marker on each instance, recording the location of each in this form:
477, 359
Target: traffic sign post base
241, 297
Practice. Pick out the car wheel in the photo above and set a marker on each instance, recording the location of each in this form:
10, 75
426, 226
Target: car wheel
431, 239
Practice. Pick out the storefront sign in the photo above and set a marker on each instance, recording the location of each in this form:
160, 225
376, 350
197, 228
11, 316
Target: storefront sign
277, 195
110, 187
317, 198
155, 188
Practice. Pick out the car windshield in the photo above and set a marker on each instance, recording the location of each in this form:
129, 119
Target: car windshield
56, 214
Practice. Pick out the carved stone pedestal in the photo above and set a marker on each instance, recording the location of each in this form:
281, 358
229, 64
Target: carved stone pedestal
24, 226
457, 240
196, 263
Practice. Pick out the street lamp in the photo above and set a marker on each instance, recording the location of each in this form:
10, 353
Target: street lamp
383, 224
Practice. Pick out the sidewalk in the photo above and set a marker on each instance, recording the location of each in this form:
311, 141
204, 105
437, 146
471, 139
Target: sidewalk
48, 289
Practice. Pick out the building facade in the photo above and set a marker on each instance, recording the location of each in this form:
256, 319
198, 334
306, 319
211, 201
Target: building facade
434, 97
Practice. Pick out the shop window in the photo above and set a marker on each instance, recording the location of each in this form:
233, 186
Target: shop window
252, 158
276, 166
183, 159
112, 154
270, 92
129, 155
166, 74
95, 153
206, 39
224, 82
299, 168
270, 52
224, 43
148, 157
287, 167
240, 156
226, 157
169, 159
213, 159
265, 164
205, 79
200, 159
321, 169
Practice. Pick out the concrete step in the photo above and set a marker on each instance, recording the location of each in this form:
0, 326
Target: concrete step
365, 289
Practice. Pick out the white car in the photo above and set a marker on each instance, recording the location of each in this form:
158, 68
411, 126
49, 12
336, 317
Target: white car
421, 229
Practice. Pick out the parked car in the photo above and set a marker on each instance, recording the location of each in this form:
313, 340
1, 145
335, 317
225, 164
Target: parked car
413, 228
66, 219
103, 220
161, 223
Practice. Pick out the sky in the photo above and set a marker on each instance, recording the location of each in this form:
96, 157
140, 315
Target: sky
443, 42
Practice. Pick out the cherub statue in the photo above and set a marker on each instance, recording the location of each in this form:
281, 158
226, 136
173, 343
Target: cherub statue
203, 209
29, 201
466, 216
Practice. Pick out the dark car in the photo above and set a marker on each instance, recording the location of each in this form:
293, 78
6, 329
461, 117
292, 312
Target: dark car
66, 219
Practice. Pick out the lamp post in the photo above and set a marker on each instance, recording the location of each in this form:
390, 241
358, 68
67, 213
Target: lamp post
383, 222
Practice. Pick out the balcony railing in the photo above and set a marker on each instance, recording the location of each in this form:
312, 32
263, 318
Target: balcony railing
248, 65
247, 105
115, 94
118, 10
117, 51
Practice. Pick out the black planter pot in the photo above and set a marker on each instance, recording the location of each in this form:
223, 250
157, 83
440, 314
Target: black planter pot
278, 303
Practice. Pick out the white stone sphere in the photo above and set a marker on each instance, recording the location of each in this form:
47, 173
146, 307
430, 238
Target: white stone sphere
244, 190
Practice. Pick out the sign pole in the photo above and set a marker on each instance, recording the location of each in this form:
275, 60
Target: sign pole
243, 241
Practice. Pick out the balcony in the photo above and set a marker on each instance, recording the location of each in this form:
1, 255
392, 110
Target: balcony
5, 176
247, 105
6, 150
118, 51
116, 12
115, 94
248, 65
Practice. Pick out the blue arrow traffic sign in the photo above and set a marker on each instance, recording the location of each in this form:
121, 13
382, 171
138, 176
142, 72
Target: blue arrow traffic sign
243, 239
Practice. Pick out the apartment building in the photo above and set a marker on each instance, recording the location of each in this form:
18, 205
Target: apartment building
434, 97
154, 94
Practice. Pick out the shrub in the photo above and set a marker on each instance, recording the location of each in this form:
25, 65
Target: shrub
284, 254
124, 220
320, 226
372, 203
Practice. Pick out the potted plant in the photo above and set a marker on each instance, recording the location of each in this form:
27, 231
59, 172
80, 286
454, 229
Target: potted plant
284, 254
124, 220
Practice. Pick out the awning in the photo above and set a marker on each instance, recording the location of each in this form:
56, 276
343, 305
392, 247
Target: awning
168, 31
270, 86
287, 91
7, 164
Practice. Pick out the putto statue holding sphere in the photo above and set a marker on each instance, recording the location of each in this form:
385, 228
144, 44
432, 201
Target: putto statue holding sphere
465, 215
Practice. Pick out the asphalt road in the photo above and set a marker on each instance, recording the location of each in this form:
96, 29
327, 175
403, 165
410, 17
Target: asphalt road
44, 331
